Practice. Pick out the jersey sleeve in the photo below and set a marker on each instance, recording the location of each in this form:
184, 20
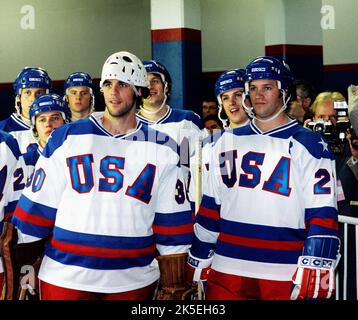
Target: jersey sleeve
206, 227
319, 187
35, 212
17, 181
173, 222
12, 177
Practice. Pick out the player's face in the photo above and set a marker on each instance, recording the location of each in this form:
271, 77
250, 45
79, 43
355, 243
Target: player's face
156, 88
265, 98
325, 110
27, 97
232, 103
45, 123
209, 107
119, 97
79, 99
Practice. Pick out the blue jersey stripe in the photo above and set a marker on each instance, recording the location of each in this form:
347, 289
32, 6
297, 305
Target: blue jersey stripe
201, 249
323, 212
103, 241
262, 232
256, 254
95, 262
10, 207
207, 223
31, 229
36, 209
319, 230
173, 219
209, 202
174, 240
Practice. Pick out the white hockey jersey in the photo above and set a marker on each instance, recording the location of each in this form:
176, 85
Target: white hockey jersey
20, 130
266, 193
109, 201
12, 177
184, 126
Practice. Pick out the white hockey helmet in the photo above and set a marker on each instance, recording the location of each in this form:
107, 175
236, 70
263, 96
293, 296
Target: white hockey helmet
126, 67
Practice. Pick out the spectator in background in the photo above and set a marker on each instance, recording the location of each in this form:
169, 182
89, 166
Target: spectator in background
305, 95
296, 111
209, 106
212, 123
323, 107
353, 116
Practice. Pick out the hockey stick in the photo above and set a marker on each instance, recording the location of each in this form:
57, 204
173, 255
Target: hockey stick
198, 191
198, 186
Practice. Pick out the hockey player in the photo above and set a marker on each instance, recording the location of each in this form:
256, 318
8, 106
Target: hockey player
109, 193
29, 84
268, 218
47, 113
184, 126
12, 171
181, 125
229, 88
79, 95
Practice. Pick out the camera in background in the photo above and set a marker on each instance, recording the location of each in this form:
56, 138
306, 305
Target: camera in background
335, 134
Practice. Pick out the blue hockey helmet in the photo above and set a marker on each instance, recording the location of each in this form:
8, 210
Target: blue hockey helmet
49, 102
153, 66
266, 67
228, 80
78, 79
233, 79
31, 77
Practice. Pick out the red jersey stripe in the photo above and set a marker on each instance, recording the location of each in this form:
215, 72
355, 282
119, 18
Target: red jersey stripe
261, 243
101, 252
32, 218
173, 230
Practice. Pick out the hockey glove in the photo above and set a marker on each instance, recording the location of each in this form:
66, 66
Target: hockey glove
314, 277
197, 272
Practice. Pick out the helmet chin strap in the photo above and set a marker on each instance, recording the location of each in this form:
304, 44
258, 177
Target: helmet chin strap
162, 105
251, 113
18, 111
223, 121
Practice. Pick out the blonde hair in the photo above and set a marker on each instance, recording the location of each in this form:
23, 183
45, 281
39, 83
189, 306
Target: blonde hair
333, 96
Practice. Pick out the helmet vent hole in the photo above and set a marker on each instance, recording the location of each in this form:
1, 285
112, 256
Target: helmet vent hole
124, 69
127, 59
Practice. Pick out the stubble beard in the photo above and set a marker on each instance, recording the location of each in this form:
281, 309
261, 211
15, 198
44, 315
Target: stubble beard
122, 112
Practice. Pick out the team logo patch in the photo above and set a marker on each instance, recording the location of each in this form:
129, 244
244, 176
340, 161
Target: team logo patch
35, 79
